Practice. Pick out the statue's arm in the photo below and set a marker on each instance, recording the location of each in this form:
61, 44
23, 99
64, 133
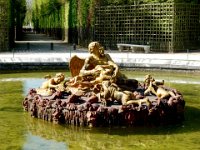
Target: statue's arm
84, 70
115, 66
52, 84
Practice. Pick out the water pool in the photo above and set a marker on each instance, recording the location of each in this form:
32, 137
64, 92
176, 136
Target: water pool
20, 131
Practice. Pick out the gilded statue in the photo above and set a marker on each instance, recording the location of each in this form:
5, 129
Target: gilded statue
149, 79
98, 93
111, 92
96, 68
52, 84
99, 65
158, 91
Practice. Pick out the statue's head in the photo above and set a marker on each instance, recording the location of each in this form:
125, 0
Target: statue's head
60, 77
101, 51
93, 46
148, 76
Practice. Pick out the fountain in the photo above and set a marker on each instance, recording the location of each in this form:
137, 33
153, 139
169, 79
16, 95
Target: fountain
98, 94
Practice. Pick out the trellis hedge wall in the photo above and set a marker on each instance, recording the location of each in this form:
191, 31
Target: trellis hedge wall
186, 27
4, 25
74, 17
166, 27
12, 13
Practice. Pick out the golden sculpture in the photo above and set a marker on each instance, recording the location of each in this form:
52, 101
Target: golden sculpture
158, 91
75, 65
149, 79
95, 69
99, 94
110, 92
52, 84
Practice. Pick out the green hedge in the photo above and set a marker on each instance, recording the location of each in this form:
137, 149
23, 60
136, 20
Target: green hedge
54, 17
49, 16
6, 25
12, 13
74, 19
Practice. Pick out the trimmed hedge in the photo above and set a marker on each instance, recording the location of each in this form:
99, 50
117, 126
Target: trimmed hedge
12, 12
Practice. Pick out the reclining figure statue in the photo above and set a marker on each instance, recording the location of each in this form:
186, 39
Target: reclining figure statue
52, 84
96, 68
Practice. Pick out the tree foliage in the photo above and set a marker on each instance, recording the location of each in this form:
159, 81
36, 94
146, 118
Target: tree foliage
51, 14
19, 11
11, 16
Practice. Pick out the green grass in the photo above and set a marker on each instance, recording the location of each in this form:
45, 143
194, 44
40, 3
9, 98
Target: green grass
16, 124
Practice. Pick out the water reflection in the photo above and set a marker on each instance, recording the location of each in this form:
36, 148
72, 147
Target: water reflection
41, 134
45, 135
102, 138
28, 83
34, 142
31, 83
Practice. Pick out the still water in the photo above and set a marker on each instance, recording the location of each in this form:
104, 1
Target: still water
20, 131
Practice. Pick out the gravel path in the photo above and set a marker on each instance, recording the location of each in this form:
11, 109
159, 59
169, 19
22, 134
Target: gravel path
37, 44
